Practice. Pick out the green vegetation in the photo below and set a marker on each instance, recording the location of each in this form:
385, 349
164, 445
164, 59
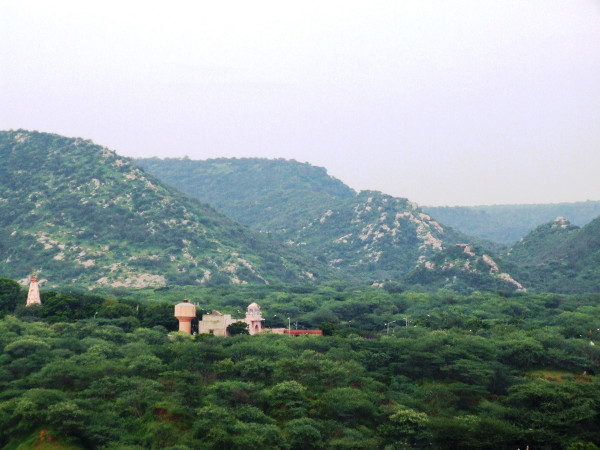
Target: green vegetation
435, 345
375, 237
368, 236
266, 195
559, 257
82, 215
465, 269
399, 370
506, 224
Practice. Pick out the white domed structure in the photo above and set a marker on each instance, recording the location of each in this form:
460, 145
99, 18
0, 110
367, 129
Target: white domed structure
254, 318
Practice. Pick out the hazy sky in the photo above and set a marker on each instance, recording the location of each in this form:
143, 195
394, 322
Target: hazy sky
444, 102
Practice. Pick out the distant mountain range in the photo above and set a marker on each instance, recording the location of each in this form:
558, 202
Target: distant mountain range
506, 224
80, 214
368, 236
373, 236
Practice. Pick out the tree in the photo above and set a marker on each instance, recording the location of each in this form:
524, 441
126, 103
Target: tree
303, 434
238, 328
348, 405
10, 294
403, 425
328, 328
287, 399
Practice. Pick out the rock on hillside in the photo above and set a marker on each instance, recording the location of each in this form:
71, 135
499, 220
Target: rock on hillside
81, 214
374, 236
465, 267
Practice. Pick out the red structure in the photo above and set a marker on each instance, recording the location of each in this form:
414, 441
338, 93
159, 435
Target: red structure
303, 332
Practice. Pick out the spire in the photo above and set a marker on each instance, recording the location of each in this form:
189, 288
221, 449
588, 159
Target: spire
33, 298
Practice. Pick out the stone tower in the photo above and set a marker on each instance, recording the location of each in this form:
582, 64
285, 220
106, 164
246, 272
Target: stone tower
33, 297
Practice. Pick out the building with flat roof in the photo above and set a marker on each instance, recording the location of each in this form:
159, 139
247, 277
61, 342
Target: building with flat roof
215, 323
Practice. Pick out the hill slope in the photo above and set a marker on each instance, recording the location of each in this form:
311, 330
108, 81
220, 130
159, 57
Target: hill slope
374, 236
506, 224
266, 195
464, 268
559, 257
370, 236
378, 237
80, 214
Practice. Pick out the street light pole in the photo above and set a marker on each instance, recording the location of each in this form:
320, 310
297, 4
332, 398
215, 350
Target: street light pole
388, 327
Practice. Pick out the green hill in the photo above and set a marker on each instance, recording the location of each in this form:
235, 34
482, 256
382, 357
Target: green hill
266, 195
506, 224
373, 236
80, 214
559, 257
465, 268
369, 236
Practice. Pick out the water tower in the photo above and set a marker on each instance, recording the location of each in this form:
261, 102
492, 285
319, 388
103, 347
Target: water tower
185, 312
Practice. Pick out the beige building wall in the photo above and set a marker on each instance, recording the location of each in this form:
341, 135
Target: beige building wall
215, 323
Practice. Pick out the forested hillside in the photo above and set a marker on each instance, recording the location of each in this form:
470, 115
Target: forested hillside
270, 195
82, 215
394, 370
369, 236
559, 257
378, 237
465, 268
506, 224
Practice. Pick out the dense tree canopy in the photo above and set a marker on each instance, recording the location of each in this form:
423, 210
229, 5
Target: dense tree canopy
484, 371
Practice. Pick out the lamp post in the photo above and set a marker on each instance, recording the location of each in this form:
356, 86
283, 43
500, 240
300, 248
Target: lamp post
289, 326
406, 321
388, 327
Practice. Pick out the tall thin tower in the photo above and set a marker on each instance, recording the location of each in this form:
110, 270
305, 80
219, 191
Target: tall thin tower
33, 297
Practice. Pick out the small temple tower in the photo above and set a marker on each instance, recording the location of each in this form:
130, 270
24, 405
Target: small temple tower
185, 312
254, 318
33, 297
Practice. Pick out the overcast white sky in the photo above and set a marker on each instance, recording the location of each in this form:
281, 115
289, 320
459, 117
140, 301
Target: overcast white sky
445, 102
